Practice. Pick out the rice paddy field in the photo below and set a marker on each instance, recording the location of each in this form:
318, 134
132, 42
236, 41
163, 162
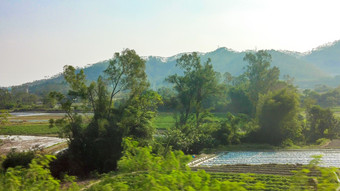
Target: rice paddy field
330, 157
27, 123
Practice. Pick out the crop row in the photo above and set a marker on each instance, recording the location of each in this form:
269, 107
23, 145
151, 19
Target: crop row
249, 181
270, 182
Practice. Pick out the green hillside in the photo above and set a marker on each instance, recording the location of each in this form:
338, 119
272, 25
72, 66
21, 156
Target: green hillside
326, 57
316, 67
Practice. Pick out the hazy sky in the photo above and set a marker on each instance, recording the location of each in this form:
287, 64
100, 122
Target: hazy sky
37, 38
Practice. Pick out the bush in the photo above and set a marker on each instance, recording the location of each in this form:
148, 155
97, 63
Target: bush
142, 170
326, 180
288, 143
14, 159
36, 177
322, 141
66, 163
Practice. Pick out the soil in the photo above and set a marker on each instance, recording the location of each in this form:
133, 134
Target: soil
24, 143
333, 144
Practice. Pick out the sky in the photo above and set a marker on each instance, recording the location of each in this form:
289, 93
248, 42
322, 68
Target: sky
37, 38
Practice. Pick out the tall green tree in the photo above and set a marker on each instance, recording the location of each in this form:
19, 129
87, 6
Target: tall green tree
321, 123
240, 102
97, 145
126, 72
262, 78
278, 117
196, 85
6, 99
232, 129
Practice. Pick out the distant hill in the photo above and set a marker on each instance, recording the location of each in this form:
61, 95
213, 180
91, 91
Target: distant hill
326, 57
319, 66
306, 74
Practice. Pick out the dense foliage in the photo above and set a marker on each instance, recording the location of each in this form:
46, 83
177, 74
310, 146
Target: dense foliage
270, 108
321, 124
17, 98
199, 82
277, 115
4, 117
36, 177
157, 172
14, 159
97, 145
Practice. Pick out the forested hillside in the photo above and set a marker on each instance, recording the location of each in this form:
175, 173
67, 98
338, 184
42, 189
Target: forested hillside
320, 66
326, 57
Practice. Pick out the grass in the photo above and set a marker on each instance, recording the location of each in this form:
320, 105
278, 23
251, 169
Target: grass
28, 125
38, 125
336, 111
28, 129
165, 120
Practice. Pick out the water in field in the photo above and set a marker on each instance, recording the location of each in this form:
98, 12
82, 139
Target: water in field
36, 117
330, 157
26, 114
24, 143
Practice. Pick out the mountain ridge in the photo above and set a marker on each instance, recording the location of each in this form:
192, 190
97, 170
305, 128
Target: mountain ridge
318, 66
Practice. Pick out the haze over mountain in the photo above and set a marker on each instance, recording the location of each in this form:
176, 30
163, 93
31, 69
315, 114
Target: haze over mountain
319, 66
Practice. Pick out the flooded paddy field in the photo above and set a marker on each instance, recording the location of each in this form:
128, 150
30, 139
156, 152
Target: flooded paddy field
20, 117
25, 143
34, 123
330, 157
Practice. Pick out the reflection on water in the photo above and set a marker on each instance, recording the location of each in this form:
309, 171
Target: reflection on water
330, 157
22, 143
26, 114
37, 116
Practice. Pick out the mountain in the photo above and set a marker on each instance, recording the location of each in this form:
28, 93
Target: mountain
326, 57
306, 74
319, 66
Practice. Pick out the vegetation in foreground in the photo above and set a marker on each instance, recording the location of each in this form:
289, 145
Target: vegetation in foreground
140, 169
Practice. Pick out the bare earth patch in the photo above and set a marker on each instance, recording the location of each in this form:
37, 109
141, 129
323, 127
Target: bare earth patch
25, 143
333, 144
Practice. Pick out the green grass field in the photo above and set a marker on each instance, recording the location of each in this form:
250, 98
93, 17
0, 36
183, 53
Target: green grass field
28, 129
336, 111
165, 120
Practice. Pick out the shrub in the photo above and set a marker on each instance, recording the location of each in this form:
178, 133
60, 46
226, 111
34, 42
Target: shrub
326, 180
322, 141
14, 159
142, 170
36, 176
